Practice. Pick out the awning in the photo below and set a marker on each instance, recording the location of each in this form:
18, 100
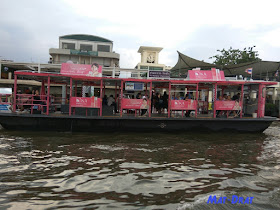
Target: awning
261, 69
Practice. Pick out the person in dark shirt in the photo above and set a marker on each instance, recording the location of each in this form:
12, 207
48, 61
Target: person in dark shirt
105, 101
165, 100
36, 98
236, 97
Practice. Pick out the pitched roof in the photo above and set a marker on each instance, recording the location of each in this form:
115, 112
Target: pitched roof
186, 63
260, 68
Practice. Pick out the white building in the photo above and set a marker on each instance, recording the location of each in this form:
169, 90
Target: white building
84, 49
149, 59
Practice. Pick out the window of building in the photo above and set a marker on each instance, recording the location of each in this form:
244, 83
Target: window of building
144, 67
70, 46
156, 68
103, 48
85, 47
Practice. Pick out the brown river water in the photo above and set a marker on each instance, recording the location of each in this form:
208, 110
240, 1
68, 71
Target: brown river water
50, 170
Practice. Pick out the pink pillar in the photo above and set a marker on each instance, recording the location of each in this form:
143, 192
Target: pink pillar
121, 97
214, 100
169, 99
48, 96
196, 98
101, 94
241, 100
70, 94
261, 101
15, 93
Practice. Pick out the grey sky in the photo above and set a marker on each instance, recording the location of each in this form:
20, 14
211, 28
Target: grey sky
197, 28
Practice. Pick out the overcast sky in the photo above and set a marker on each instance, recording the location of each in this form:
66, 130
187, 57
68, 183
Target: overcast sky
196, 28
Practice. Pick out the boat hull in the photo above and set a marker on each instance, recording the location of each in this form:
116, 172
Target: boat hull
112, 124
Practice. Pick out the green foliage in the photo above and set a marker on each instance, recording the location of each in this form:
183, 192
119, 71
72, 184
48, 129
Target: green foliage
235, 56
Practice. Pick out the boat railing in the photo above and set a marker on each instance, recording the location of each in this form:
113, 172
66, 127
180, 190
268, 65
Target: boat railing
28, 100
5, 99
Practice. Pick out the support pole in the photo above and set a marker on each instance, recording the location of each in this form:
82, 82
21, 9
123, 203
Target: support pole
66, 86
42, 89
150, 105
76, 88
196, 98
0, 69
101, 101
15, 93
214, 100
241, 100
116, 92
70, 94
146, 89
48, 96
121, 97
169, 99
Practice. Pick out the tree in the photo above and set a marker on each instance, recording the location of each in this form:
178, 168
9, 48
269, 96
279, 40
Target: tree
235, 56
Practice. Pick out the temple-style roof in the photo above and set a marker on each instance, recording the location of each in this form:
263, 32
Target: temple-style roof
85, 37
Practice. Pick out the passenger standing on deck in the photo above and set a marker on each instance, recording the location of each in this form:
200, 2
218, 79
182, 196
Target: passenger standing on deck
105, 101
139, 96
165, 101
111, 102
157, 103
36, 100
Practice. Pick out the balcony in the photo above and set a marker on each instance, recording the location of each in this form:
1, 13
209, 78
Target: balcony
58, 51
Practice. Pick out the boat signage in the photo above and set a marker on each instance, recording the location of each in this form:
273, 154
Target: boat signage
131, 103
134, 86
159, 74
86, 102
93, 70
213, 75
183, 105
227, 105
5, 108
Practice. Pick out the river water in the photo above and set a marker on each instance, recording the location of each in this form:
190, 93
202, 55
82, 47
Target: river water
43, 170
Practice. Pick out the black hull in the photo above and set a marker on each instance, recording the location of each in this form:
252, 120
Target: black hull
112, 124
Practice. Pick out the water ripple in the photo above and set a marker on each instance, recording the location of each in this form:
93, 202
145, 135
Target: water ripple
132, 171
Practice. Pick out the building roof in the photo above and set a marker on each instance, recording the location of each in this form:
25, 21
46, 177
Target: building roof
85, 37
157, 49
